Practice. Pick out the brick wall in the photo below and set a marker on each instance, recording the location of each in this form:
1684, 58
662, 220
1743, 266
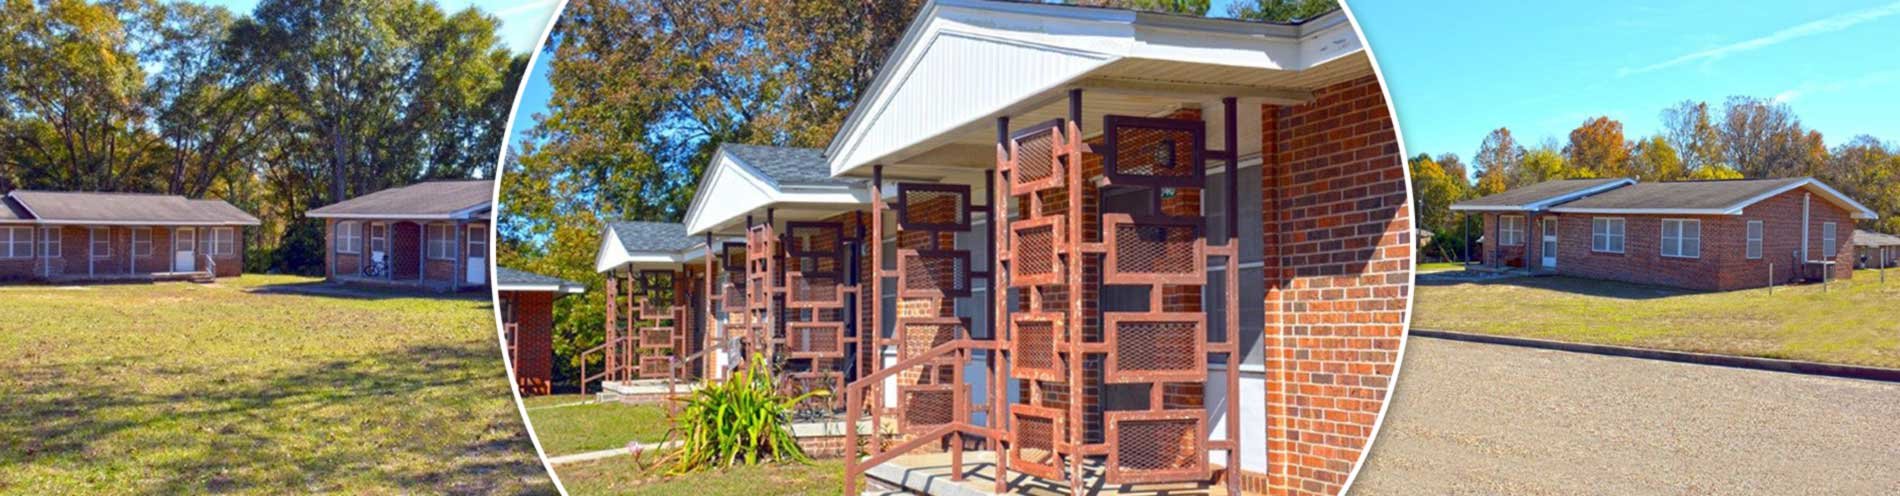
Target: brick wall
1498, 253
1723, 263
75, 256
533, 313
1338, 268
19, 269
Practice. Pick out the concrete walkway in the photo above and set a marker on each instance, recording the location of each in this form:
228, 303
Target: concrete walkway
1470, 418
606, 453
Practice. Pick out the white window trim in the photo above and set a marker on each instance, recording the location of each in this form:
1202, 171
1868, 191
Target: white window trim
446, 240
218, 235
1622, 239
1504, 240
93, 242
50, 243
1830, 240
1663, 238
1754, 239
379, 240
349, 237
147, 239
12, 236
471, 240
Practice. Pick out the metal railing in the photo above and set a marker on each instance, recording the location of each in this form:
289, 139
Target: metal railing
956, 429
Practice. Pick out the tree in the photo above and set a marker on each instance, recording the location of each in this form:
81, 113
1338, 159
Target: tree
1655, 160
1281, 10
1868, 170
1186, 7
1544, 163
1498, 159
1597, 146
75, 97
1455, 170
1763, 138
1688, 128
214, 111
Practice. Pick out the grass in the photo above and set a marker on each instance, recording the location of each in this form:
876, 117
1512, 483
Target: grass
1854, 322
619, 476
1440, 266
232, 387
565, 428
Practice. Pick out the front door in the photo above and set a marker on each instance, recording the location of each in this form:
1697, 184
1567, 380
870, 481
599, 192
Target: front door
185, 249
1550, 243
477, 255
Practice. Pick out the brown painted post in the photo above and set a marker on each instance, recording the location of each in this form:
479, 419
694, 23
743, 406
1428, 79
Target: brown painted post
1231, 133
875, 391
999, 326
707, 364
1073, 266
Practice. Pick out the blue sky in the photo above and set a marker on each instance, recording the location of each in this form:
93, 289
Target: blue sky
521, 20
1456, 70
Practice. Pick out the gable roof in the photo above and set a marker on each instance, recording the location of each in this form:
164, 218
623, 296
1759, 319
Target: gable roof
466, 199
1541, 195
1724, 197
94, 208
646, 243
784, 165
507, 279
1872, 239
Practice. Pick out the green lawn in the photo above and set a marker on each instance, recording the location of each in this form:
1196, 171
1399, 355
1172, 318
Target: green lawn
618, 476
1855, 322
566, 428
230, 387
1440, 266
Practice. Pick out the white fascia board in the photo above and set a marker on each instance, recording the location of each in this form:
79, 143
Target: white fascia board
1647, 211
1489, 208
541, 288
1544, 204
62, 222
1834, 196
731, 189
611, 253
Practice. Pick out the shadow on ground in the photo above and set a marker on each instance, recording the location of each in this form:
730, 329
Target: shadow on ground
336, 290
296, 430
1574, 285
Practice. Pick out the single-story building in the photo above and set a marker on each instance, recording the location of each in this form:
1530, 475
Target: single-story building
527, 322
1708, 235
1875, 250
59, 236
431, 235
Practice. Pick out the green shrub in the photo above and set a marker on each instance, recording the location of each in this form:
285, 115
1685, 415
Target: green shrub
742, 420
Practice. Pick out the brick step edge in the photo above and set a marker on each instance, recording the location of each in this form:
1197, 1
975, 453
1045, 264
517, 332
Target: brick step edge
1755, 363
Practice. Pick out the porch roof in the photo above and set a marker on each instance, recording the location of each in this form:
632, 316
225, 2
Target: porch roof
961, 64
433, 200
1540, 196
748, 179
130, 209
1870, 239
507, 279
648, 244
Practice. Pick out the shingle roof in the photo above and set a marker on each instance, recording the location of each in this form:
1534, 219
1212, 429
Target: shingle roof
122, 208
1682, 195
510, 277
1874, 239
645, 236
784, 165
11, 211
1526, 196
421, 200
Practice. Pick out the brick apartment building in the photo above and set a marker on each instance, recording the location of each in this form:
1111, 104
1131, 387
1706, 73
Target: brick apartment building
1705, 235
431, 235
527, 322
58, 236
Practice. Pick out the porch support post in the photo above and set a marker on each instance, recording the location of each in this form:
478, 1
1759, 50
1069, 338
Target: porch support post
999, 320
1231, 133
1072, 241
709, 361
877, 308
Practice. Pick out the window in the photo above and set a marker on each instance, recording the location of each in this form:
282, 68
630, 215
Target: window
49, 242
378, 238
16, 242
349, 237
441, 241
477, 241
1682, 238
101, 242
1606, 234
1829, 247
1511, 230
1754, 240
224, 241
142, 241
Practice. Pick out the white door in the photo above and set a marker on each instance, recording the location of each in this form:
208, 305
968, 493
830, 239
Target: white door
378, 248
1550, 243
184, 249
477, 255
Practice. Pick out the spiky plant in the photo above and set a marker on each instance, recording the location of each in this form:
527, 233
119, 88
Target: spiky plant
742, 420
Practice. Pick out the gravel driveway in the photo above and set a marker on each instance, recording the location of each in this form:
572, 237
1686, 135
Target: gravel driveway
1473, 418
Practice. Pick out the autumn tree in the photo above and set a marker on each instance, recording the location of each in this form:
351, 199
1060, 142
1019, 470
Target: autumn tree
74, 98
1545, 163
1455, 171
1498, 158
1688, 129
1597, 146
1654, 160
1763, 138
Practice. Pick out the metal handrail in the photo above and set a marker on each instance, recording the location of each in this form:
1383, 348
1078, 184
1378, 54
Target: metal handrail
854, 401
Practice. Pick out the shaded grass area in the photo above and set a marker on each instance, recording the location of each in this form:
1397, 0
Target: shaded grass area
565, 428
619, 476
229, 387
1853, 322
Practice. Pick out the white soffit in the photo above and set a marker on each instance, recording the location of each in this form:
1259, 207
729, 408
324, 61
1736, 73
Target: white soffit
967, 61
732, 189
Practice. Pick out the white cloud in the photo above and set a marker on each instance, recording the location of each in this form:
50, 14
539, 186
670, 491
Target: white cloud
1799, 31
525, 7
1787, 96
